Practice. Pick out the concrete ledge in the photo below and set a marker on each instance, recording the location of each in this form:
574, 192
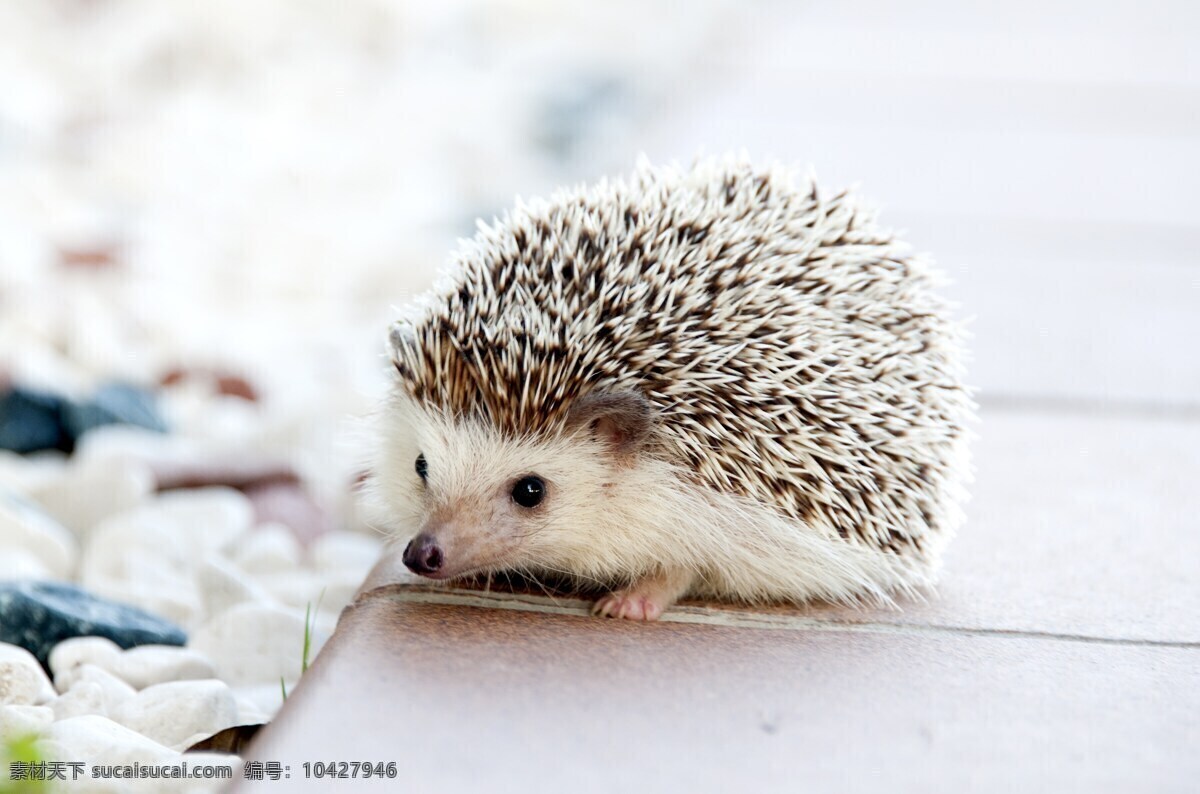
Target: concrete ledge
468, 689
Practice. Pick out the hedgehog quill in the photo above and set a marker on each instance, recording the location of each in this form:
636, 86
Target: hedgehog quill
707, 382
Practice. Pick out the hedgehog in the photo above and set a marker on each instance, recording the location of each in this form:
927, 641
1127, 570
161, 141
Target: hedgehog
716, 382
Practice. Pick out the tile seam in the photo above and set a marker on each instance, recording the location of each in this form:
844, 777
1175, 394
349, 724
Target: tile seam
748, 620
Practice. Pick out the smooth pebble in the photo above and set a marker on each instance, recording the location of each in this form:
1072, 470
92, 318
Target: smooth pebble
25, 473
266, 698
24, 720
18, 564
248, 711
174, 712
153, 593
138, 667
23, 682
86, 494
253, 643
69, 656
100, 740
183, 525
80, 700
124, 443
25, 526
148, 665
270, 548
345, 551
300, 588
150, 566
224, 585
93, 690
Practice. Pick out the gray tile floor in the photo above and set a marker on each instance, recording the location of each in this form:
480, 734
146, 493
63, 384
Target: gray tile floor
539, 699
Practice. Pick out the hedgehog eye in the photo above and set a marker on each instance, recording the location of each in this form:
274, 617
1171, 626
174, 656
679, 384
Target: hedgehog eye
529, 491
422, 467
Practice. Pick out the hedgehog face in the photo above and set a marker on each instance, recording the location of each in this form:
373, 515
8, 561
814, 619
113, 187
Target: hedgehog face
473, 500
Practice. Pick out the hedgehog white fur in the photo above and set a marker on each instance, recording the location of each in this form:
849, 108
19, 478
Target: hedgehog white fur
702, 382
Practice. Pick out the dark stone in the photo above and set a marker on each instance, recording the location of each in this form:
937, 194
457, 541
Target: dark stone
114, 403
39, 615
31, 421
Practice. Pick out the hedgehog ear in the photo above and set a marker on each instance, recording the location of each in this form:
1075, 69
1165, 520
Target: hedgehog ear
402, 341
401, 337
622, 420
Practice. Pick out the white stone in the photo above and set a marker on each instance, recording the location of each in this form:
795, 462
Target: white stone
23, 564
299, 589
119, 548
147, 665
93, 691
248, 711
24, 474
100, 740
252, 644
23, 682
24, 720
183, 525
122, 444
25, 526
224, 585
68, 657
217, 420
267, 699
148, 556
174, 712
87, 493
82, 699
215, 514
347, 552
145, 580
270, 548
14, 472
116, 689
138, 667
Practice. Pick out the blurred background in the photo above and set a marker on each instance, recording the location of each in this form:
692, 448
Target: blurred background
219, 206
224, 203
252, 188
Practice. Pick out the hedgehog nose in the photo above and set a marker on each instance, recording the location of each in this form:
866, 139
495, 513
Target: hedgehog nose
423, 555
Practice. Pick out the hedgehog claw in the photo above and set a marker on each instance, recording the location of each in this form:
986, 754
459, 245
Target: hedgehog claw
645, 600
628, 605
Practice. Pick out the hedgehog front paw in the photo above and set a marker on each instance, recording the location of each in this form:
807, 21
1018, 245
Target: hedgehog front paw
647, 599
628, 605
